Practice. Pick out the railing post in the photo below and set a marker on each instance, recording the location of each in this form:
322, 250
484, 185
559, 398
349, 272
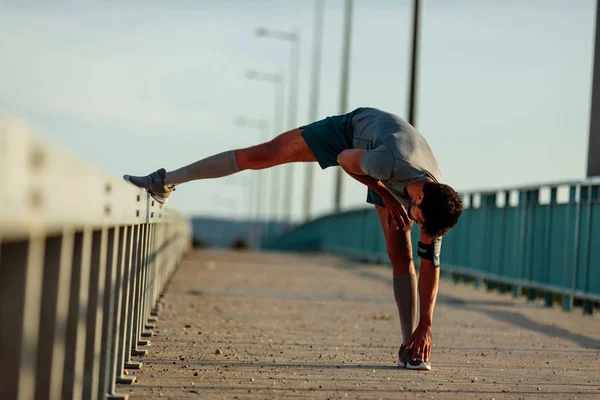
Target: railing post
160, 265
589, 307
120, 311
518, 289
110, 328
503, 287
48, 317
488, 203
584, 239
123, 326
20, 301
162, 269
130, 334
93, 341
137, 293
76, 323
158, 241
570, 266
160, 261
145, 328
549, 296
532, 200
467, 247
138, 319
149, 280
55, 311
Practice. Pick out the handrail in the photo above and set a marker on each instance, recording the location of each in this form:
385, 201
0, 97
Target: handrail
84, 258
533, 245
592, 181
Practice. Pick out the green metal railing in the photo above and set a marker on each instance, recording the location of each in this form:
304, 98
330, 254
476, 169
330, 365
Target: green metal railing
84, 258
536, 240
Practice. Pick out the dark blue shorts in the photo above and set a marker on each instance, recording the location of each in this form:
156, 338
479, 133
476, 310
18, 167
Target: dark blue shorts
328, 137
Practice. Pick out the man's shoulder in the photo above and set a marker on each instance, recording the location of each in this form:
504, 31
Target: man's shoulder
376, 111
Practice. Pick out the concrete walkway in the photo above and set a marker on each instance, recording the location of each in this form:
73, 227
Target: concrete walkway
271, 326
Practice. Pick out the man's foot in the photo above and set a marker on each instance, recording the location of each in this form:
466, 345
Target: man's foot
154, 184
405, 360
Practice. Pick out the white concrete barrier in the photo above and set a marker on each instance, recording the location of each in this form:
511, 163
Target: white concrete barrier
84, 257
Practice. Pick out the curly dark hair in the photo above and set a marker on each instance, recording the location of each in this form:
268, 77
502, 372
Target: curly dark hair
441, 207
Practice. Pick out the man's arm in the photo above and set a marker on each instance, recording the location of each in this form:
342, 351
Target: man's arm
429, 278
349, 160
429, 275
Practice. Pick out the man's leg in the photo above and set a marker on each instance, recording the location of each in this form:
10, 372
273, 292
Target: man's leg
399, 249
285, 148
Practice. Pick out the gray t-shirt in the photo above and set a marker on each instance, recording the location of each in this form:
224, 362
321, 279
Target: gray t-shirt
397, 155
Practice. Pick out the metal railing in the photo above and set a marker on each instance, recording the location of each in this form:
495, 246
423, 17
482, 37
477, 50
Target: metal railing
536, 239
540, 240
84, 258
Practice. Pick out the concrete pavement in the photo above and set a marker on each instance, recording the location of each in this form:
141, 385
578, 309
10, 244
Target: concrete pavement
271, 326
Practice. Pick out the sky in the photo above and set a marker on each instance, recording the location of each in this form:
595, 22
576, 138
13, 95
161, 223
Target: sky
132, 86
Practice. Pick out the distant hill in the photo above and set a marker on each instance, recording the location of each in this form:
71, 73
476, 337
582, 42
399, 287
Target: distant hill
227, 233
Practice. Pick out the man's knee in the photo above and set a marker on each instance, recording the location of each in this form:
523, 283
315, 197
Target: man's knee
285, 148
256, 157
402, 265
402, 259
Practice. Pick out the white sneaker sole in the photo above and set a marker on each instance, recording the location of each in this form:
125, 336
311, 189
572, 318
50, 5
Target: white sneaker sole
420, 367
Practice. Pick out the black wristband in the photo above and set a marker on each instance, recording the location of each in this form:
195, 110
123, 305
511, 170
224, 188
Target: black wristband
431, 251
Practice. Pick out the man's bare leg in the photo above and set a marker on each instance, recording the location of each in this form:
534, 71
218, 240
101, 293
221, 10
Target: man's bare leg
285, 148
399, 248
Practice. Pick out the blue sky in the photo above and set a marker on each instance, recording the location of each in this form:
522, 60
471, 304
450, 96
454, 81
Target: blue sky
132, 86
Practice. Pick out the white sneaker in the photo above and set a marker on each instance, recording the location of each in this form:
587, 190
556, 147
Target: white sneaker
405, 360
153, 184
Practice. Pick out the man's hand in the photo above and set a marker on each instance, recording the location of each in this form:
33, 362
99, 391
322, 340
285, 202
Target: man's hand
396, 213
420, 343
349, 160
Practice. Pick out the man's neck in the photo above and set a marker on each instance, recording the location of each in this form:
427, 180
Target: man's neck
415, 188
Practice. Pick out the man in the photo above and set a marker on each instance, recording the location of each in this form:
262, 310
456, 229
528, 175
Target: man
395, 162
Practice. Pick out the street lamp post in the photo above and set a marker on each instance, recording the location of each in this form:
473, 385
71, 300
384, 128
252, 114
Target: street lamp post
414, 64
294, 39
277, 79
314, 98
344, 91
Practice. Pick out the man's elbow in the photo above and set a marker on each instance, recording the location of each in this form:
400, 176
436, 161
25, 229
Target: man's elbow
349, 160
343, 159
